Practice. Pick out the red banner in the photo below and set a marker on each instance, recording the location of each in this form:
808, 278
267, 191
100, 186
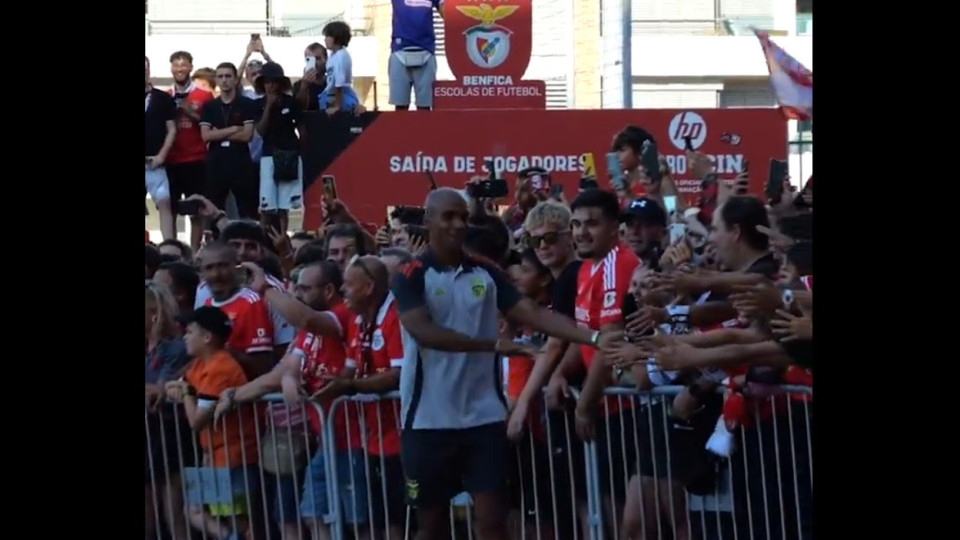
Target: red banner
386, 164
488, 47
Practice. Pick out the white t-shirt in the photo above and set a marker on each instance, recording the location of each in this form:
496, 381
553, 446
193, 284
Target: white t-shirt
339, 70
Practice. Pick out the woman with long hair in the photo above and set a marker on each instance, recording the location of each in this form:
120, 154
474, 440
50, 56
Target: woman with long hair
169, 441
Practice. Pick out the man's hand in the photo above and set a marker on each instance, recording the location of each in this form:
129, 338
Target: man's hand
155, 162
676, 283
154, 396
584, 424
638, 326
382, 237
676, 357
789, 327
777, 239
310, 76
258, 278
610, 339
517, 422
207, 208
417, 245
176, 390
742, 182
676, 255
699, 164
271, 99
332, 111
625, 354
291, 391
337, 387
333, 209
224, 404
280, 241
756, 301
558, 390
359, 109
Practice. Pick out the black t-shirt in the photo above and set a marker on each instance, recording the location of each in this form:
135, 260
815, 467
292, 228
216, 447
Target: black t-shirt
314, 91
563, 295
281, 131
218, 115
160, 108
767, 266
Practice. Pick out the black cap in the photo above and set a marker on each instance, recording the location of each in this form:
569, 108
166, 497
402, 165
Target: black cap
211, 319
646, 211
271, 71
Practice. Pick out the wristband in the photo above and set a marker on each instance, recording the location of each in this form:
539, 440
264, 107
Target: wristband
595, 339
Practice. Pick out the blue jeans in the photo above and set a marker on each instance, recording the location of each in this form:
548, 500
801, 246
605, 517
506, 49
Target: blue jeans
351, 487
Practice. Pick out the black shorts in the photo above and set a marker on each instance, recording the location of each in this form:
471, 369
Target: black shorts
186, 179
567, 453
440, 463
615, 452
386, 491
239, 177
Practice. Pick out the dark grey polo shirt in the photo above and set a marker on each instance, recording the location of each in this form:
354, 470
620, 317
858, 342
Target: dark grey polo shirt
446, 390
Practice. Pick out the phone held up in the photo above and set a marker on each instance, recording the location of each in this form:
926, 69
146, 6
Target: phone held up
188, 207
329, 186
617, 179
776, 177
650, 161
491, 188
311, 63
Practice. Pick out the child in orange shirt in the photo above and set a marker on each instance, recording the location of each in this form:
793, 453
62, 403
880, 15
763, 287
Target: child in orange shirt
229, 442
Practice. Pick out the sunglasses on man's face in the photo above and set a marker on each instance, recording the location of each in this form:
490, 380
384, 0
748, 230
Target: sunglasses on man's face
550, 238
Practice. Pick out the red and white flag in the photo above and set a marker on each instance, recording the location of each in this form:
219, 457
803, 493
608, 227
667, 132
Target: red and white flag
792, 83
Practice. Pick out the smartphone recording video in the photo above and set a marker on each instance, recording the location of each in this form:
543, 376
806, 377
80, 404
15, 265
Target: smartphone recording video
776, 178
329, 186
188, 207
650, 161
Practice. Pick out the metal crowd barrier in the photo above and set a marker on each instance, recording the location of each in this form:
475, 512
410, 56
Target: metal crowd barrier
645, 474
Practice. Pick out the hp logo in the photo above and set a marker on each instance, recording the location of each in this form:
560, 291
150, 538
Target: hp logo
687, 124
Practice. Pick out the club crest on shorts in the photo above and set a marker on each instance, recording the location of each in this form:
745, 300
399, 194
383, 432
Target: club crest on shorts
413, 489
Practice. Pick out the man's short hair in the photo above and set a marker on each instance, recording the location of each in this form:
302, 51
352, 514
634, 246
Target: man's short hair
313, 47
339, 31
186, 252
244, 229
227, 65
606, 201
181, 55
313, 252
151, 258
184, 276
348, 230
748, 213
548, 213
631, 137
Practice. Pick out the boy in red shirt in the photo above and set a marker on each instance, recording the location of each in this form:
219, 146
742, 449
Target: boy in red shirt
229, 443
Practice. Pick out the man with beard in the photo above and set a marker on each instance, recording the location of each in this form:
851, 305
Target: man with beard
533, 185
319, 354
646, 223
248, 240
251, 340
186, 162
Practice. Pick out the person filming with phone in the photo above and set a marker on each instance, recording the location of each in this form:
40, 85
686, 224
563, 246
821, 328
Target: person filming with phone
281, 169
307, 90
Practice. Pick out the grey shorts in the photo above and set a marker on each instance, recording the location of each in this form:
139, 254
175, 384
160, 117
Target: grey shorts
421, 78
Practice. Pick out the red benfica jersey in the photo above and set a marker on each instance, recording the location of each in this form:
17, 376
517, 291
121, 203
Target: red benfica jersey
601, 288
321, 359
252, 328
188, 146
384, 351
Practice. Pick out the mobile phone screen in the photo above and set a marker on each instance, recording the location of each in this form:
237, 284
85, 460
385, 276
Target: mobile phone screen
775, 179
650, 161
617, 180
670, 203
329, 186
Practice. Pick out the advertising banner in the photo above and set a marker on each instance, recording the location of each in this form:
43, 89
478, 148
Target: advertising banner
488, 46
383, 160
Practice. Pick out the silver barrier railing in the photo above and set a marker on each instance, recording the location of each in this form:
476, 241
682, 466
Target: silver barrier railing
644, 475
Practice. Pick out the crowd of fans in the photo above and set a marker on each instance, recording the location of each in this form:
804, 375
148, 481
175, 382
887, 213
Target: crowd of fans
469, 314
660, 335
